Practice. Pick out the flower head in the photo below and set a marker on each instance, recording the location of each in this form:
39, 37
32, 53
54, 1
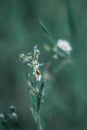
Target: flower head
31, 60
64, 46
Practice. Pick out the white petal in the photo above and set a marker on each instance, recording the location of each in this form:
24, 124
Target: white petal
64, 45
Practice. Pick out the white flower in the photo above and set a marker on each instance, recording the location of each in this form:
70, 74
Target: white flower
64, 45
25, 58
38, 77
21, 55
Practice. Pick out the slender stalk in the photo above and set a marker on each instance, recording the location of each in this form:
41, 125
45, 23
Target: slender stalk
46, 32
38, 123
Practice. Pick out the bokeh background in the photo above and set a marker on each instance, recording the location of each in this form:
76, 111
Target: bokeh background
65, 106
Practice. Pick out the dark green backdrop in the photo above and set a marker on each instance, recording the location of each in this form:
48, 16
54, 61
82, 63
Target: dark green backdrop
65, 106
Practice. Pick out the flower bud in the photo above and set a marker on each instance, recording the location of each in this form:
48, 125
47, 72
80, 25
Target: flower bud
12, 109
13, 117
2, 116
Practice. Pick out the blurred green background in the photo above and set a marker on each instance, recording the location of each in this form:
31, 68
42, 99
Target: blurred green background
65, 106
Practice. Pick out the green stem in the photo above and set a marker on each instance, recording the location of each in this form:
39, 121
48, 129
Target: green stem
38, 123
46, 32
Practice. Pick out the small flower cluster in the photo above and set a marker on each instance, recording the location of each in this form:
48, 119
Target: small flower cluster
31, 60
9, 118
62, 48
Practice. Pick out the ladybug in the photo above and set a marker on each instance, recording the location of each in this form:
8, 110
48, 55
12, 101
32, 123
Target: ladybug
38, 72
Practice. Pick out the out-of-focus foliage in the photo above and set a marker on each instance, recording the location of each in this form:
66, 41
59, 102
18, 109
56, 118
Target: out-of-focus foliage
65, 106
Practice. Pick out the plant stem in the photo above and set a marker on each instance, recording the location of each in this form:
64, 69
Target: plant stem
38, 123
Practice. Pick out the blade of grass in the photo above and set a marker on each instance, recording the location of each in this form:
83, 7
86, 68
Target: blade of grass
46, 32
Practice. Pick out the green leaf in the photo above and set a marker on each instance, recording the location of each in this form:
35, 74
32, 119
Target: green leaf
40, 96
43, 27
33, 100
46, 32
